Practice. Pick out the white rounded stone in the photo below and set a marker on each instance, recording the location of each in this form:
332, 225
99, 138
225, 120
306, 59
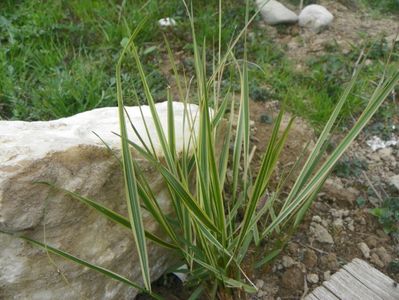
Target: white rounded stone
315, 17
273, 12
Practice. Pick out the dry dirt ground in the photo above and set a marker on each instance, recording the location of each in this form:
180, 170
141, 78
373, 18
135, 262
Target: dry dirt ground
336, 228
351, 28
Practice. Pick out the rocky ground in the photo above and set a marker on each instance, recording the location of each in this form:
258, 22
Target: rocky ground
339, 226
350, 27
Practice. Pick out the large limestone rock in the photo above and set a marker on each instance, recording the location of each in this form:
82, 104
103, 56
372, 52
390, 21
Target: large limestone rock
67, 153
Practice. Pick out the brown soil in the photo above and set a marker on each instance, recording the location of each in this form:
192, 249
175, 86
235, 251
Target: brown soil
322, 259
351, 28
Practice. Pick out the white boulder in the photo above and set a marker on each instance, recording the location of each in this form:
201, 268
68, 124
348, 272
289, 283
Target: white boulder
67, 153
273, 12
315, 17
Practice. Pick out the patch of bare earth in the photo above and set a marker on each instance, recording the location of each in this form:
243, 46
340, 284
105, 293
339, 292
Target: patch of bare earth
337, 229
351, 28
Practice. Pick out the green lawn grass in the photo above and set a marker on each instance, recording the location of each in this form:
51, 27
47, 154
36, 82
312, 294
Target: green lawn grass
382, 6
57, 58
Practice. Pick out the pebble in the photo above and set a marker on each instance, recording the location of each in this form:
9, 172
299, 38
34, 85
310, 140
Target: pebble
392, 40
287, 261
383, 255
315, 17
351, 225
324, 223
293, 248
368, 62
312, 278
376, 260
262, 294
259, 283
316, 219
338, 223
364, 249
273, 12
383, 236
339, 213
327, 275
372, 241
395, 181
321, 234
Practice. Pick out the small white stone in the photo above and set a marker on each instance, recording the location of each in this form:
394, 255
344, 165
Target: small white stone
338, 223
262, 294
259, 283
315, 17
273, 12
312, 278
336, 213
167, 22
395, 181
327, 275
316, 219
351, 225
287, 261
364, 249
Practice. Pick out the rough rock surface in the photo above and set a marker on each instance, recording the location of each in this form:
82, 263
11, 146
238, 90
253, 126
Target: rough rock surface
315, 17
67, 153
321, 234
273, 12
395, 181
364, 249
292, 278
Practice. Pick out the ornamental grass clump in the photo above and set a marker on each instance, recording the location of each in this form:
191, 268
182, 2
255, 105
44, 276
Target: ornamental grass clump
215, 220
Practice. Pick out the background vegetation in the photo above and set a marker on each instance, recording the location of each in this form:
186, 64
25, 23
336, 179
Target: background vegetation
57, 57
